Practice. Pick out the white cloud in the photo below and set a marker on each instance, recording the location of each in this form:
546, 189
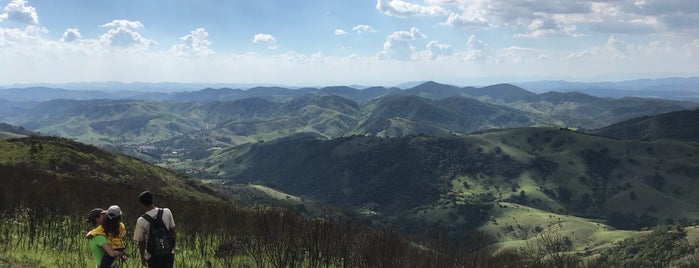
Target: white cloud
399, 45
195, 43
436, 50
520, 55
340, 32
123, 24
401, 8
264, 38
70, 35
25, 38
363, 29
122, 35
476, 49
19, 11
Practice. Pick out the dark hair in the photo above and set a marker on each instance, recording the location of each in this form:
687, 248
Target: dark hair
146, 198
111, 226
93, 215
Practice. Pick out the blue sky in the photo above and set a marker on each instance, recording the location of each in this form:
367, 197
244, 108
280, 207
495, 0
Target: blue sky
333, 42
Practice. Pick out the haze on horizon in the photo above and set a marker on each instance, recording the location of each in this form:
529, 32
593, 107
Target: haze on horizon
335, 42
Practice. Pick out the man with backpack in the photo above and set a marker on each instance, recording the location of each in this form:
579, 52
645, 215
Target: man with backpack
155, 234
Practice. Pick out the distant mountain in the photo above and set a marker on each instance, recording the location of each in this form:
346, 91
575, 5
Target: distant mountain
146, 87
665, 88
680, 125
401, 115
235, 116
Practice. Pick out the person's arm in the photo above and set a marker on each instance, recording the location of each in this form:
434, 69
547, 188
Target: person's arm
140, 238
174, 236
142, 250
112, 253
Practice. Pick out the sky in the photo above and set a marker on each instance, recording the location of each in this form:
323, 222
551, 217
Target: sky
346, 42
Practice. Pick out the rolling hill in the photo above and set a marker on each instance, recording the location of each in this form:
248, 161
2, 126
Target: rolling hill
471, 182
680, 125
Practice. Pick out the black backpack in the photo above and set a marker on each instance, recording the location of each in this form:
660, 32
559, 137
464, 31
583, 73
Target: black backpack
160, 241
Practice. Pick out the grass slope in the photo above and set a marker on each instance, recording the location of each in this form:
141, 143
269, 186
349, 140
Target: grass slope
455, 183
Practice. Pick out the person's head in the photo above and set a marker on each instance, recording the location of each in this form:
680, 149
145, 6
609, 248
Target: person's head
146, 198
112, 221
96, 216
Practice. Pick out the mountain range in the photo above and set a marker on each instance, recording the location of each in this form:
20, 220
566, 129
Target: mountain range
232, 116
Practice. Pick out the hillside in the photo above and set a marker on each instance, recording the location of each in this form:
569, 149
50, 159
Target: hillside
43, 172
680, 125
48, 184
461, 183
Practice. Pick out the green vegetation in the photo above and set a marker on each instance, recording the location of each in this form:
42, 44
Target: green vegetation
419, 183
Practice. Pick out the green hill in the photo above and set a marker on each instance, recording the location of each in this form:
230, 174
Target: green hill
680, 125
456, 183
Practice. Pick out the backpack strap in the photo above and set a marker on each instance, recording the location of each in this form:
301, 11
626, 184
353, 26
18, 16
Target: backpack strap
158, 217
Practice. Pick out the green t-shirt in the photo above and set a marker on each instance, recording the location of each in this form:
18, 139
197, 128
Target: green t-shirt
96, 247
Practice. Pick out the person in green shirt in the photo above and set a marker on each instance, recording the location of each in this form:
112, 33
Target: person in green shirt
99, 244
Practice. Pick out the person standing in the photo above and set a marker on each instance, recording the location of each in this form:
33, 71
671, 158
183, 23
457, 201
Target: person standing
99, 246
114, 230
154, 215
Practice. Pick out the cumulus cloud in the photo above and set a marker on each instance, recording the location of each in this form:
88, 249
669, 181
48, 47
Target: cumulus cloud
399, 45
340, 32
123, 35
26, 38
436, 50
195, 43
363, 29
19, 11
70, 35
264, 38
401, 8
477, 49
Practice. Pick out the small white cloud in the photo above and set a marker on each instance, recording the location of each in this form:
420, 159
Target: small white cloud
264, 38
436, 50
195, 43
519, 55
477, 49
70, 35
122, 35
401, 8
352, 57
548, 27
467, 20
363, 28
399, 45
123, 24
340, 32
19, 11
